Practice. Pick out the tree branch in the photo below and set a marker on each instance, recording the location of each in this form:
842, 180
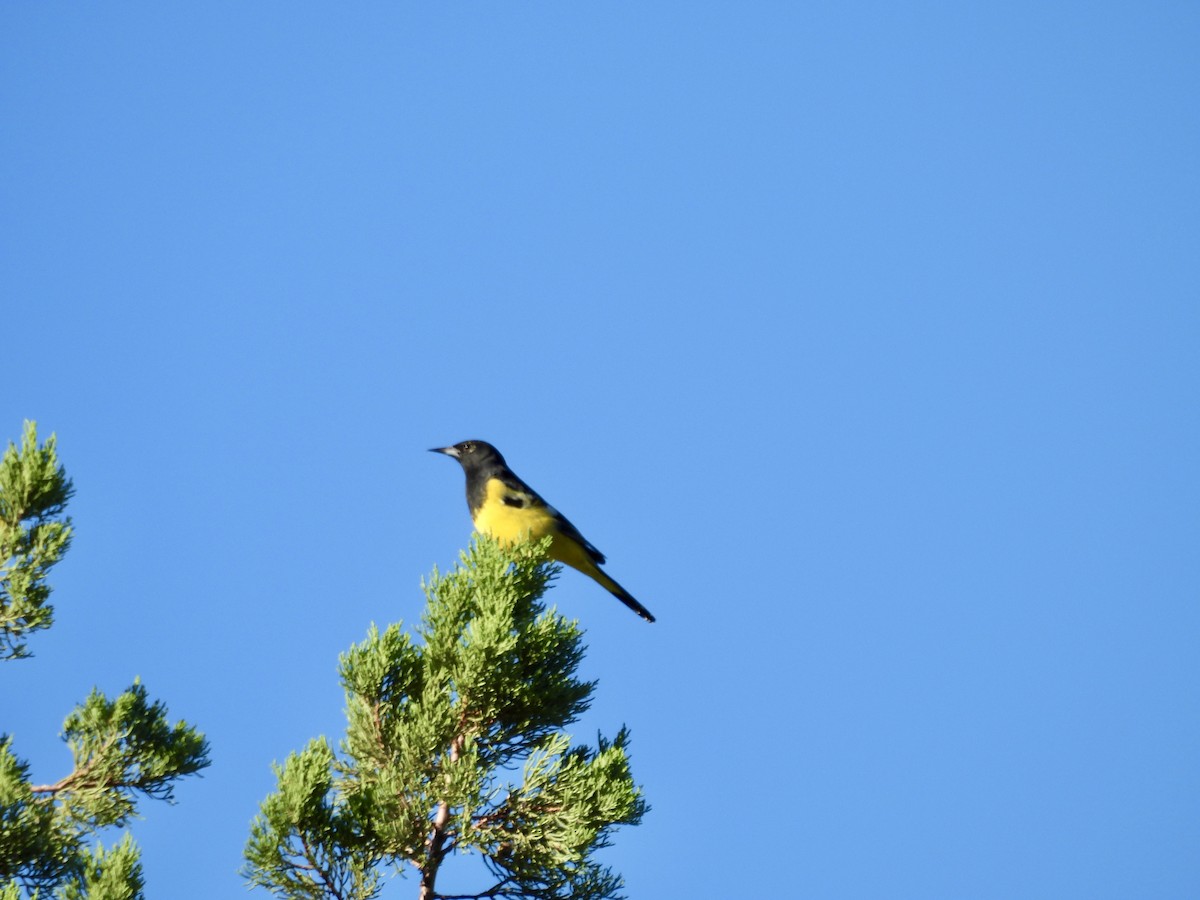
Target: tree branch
67, 782
315, 866
435, 844
496, 890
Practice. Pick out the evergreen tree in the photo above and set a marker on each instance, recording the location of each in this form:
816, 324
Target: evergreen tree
34, 535
121, 748
437, 731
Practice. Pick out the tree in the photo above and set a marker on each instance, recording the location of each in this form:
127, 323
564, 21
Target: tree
121, 747
34, 535
436, 730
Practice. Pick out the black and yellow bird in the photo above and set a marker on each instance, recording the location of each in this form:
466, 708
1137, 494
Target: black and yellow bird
506, 508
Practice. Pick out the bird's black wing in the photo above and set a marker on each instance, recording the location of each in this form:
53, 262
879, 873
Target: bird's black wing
570, 531
523, 495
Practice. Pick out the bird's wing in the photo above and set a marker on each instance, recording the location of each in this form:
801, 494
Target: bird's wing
518, 493
571, 532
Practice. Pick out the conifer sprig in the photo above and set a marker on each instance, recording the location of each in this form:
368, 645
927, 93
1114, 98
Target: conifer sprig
455, 744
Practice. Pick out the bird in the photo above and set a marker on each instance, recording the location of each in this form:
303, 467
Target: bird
507, 509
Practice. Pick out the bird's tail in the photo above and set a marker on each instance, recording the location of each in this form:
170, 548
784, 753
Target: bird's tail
620, 593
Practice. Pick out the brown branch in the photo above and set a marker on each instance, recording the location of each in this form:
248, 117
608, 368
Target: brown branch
315, 866
435, 844
69, 781
495, 890
60, 785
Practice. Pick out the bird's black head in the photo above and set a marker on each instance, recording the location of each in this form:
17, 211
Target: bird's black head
473, 454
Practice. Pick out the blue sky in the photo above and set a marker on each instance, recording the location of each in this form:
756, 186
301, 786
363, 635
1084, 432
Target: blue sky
862, 338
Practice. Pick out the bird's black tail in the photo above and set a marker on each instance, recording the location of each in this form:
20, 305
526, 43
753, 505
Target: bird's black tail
589, 568
625, 597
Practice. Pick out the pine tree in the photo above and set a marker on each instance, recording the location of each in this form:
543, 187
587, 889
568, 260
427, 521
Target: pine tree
34, 535
121, 748
437, 729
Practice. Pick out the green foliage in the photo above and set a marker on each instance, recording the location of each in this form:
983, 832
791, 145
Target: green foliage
34, 535
121, 748
302, 845
114, 874
37, 846
437, 730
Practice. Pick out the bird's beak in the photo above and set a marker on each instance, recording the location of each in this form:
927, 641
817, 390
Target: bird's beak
449, 451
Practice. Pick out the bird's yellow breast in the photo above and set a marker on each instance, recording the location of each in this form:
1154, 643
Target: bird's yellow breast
506, 522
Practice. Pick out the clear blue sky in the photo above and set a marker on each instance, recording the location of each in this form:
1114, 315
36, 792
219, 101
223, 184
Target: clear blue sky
865, 341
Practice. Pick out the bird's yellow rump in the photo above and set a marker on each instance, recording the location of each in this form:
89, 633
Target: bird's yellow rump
507, 509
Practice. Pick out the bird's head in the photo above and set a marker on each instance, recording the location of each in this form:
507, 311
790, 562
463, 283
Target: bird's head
473, 454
